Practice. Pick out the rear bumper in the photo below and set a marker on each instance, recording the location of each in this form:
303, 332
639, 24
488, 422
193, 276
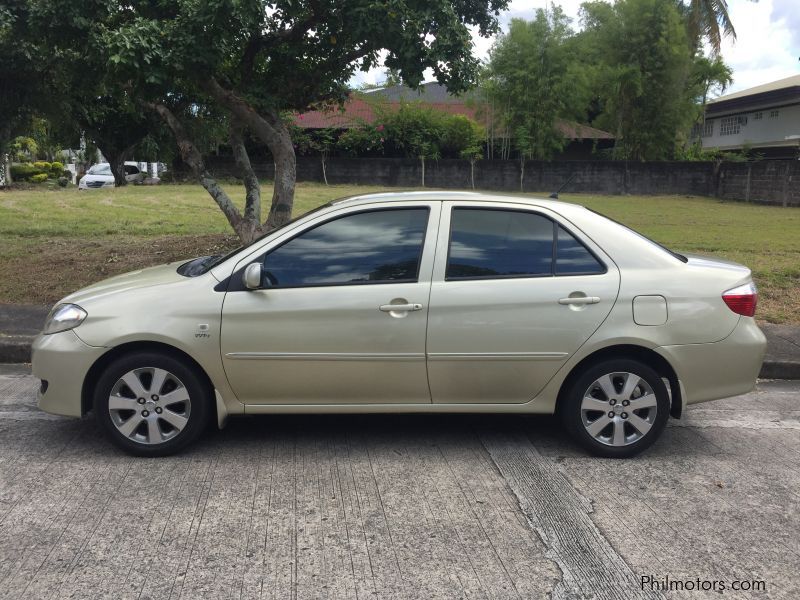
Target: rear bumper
62, 360
722, 369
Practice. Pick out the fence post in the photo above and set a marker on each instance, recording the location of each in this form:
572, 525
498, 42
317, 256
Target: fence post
786, 179
747, 185
5, 171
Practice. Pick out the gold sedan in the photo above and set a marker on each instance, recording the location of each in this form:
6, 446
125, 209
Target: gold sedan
410, 302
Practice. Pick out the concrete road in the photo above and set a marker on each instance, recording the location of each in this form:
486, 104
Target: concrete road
402, 507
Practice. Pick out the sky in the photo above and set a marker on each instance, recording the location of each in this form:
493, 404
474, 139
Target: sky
767, 46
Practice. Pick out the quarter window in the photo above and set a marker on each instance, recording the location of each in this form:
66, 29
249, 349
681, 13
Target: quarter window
573, 258
383, 246
499, 243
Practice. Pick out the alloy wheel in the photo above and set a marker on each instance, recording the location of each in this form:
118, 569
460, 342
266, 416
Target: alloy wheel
149, 405
619, 409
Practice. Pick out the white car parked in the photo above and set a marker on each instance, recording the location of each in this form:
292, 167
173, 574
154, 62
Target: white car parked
100, 176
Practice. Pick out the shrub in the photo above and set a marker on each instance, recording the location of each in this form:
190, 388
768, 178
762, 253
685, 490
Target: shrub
25, 171
63, 181
42, 165
39, 178
56, 169
359, 141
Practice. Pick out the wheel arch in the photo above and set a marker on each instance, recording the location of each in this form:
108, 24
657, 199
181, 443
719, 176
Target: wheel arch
96, 370
645, 355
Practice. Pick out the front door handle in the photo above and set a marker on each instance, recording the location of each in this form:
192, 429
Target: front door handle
400, 307
579, 300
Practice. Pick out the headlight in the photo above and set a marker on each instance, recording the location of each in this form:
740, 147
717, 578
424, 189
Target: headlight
63, 318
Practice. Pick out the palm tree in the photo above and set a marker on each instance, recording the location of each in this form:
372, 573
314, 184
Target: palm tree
709, 20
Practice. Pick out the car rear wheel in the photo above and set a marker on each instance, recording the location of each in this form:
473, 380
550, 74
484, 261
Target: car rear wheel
616, 408
151, 404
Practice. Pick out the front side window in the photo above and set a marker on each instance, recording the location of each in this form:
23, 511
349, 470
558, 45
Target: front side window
383, 246
131, 170
490, 243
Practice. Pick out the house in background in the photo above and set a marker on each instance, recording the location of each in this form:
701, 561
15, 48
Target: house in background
360, 108
765, 118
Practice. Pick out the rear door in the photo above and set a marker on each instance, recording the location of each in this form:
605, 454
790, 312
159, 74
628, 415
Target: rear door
515, 292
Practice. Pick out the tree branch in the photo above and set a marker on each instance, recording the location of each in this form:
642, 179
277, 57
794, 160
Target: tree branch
271, 130
192, 157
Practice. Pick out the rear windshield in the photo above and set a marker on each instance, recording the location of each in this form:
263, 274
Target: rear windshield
672, 253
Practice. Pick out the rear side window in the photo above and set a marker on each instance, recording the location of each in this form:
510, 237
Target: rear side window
492, 243
499, 243
383, 246
573, 258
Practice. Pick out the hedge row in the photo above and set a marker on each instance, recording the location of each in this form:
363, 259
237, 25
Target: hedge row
39, 171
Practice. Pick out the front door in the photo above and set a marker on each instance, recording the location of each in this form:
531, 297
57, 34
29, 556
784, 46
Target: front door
341, 315
514, 295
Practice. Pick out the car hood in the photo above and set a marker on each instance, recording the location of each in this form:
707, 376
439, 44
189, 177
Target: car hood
127, 282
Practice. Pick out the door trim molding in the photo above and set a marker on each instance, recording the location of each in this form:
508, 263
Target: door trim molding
315, 356
496, 356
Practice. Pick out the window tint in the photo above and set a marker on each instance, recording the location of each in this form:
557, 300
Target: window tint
370, 247
499, 243
131, 170
574, 257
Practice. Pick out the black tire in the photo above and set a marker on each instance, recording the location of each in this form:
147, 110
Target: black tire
578, 422
193, 415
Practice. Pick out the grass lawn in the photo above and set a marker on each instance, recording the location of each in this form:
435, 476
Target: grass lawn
55, 241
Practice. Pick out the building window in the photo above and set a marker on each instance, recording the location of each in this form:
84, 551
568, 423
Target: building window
703, 130
731, 125
758, 116
773, 114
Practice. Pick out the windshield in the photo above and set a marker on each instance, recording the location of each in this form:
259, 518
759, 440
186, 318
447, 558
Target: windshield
101, 169
204, 264
672, 253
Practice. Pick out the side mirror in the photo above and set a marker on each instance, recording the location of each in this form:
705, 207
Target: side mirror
252, 276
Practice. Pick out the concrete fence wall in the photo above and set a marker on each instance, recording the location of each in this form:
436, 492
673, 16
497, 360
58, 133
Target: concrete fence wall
771, 182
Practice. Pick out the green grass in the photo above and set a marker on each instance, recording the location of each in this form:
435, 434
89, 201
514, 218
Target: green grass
90, 234
135, 210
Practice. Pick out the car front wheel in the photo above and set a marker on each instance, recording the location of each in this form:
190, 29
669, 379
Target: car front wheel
616, 408
151, 404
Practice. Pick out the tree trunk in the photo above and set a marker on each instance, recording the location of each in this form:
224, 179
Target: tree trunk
116, 159
324, 172
270, 129
422, 160
252, 206
521, 174
192, 157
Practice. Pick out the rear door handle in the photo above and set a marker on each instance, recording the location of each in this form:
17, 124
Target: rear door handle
580, 300
400, 307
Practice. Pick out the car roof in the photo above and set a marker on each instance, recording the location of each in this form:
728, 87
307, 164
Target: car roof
442, 196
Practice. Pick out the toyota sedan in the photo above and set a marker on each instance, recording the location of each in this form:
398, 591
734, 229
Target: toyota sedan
410, 302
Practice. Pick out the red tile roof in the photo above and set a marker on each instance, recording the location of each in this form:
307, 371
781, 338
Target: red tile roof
357, 110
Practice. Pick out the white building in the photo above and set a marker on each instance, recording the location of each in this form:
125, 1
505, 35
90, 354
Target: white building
765, 118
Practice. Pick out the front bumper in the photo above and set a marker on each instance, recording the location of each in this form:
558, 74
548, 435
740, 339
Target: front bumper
722, 369
62, 360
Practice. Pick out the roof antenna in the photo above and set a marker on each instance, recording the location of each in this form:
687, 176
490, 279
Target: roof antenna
554, 195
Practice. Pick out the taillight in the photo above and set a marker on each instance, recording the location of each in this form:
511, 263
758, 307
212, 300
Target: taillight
743, 299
